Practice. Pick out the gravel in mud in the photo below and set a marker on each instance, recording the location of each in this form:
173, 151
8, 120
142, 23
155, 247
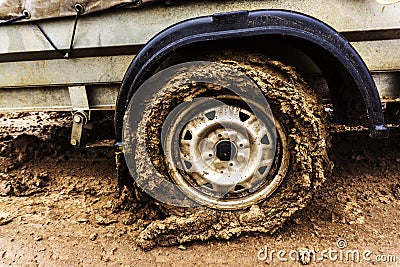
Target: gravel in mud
61, 206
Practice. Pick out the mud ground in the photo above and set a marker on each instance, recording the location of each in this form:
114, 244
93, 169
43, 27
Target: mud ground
61, 206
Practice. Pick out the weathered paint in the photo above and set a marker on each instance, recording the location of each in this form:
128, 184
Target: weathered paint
378, 55
43, 84
90, 70
137, 26
101, 97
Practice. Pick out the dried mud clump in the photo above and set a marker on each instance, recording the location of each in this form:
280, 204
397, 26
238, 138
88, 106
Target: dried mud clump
291, 101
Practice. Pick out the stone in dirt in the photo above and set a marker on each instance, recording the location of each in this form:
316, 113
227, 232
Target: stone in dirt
93, 236
5, 188
5, 218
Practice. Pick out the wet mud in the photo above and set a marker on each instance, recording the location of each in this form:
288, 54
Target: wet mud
292, 102
71, 211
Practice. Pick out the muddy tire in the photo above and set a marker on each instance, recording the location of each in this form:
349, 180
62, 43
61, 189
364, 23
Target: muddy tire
297, 162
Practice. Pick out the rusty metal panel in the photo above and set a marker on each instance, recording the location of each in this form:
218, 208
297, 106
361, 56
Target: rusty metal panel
137, 26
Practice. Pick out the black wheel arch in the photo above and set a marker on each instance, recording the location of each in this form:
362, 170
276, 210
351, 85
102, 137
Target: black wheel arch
343, 68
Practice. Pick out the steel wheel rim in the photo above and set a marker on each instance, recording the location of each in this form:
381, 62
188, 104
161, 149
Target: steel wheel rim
225, 156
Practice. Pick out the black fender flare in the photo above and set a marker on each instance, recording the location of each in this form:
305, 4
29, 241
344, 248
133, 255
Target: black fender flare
253, 23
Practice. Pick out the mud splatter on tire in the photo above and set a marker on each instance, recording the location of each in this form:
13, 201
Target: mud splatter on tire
297, 108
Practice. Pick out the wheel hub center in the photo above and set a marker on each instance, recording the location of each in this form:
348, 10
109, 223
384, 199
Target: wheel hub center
225, 150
